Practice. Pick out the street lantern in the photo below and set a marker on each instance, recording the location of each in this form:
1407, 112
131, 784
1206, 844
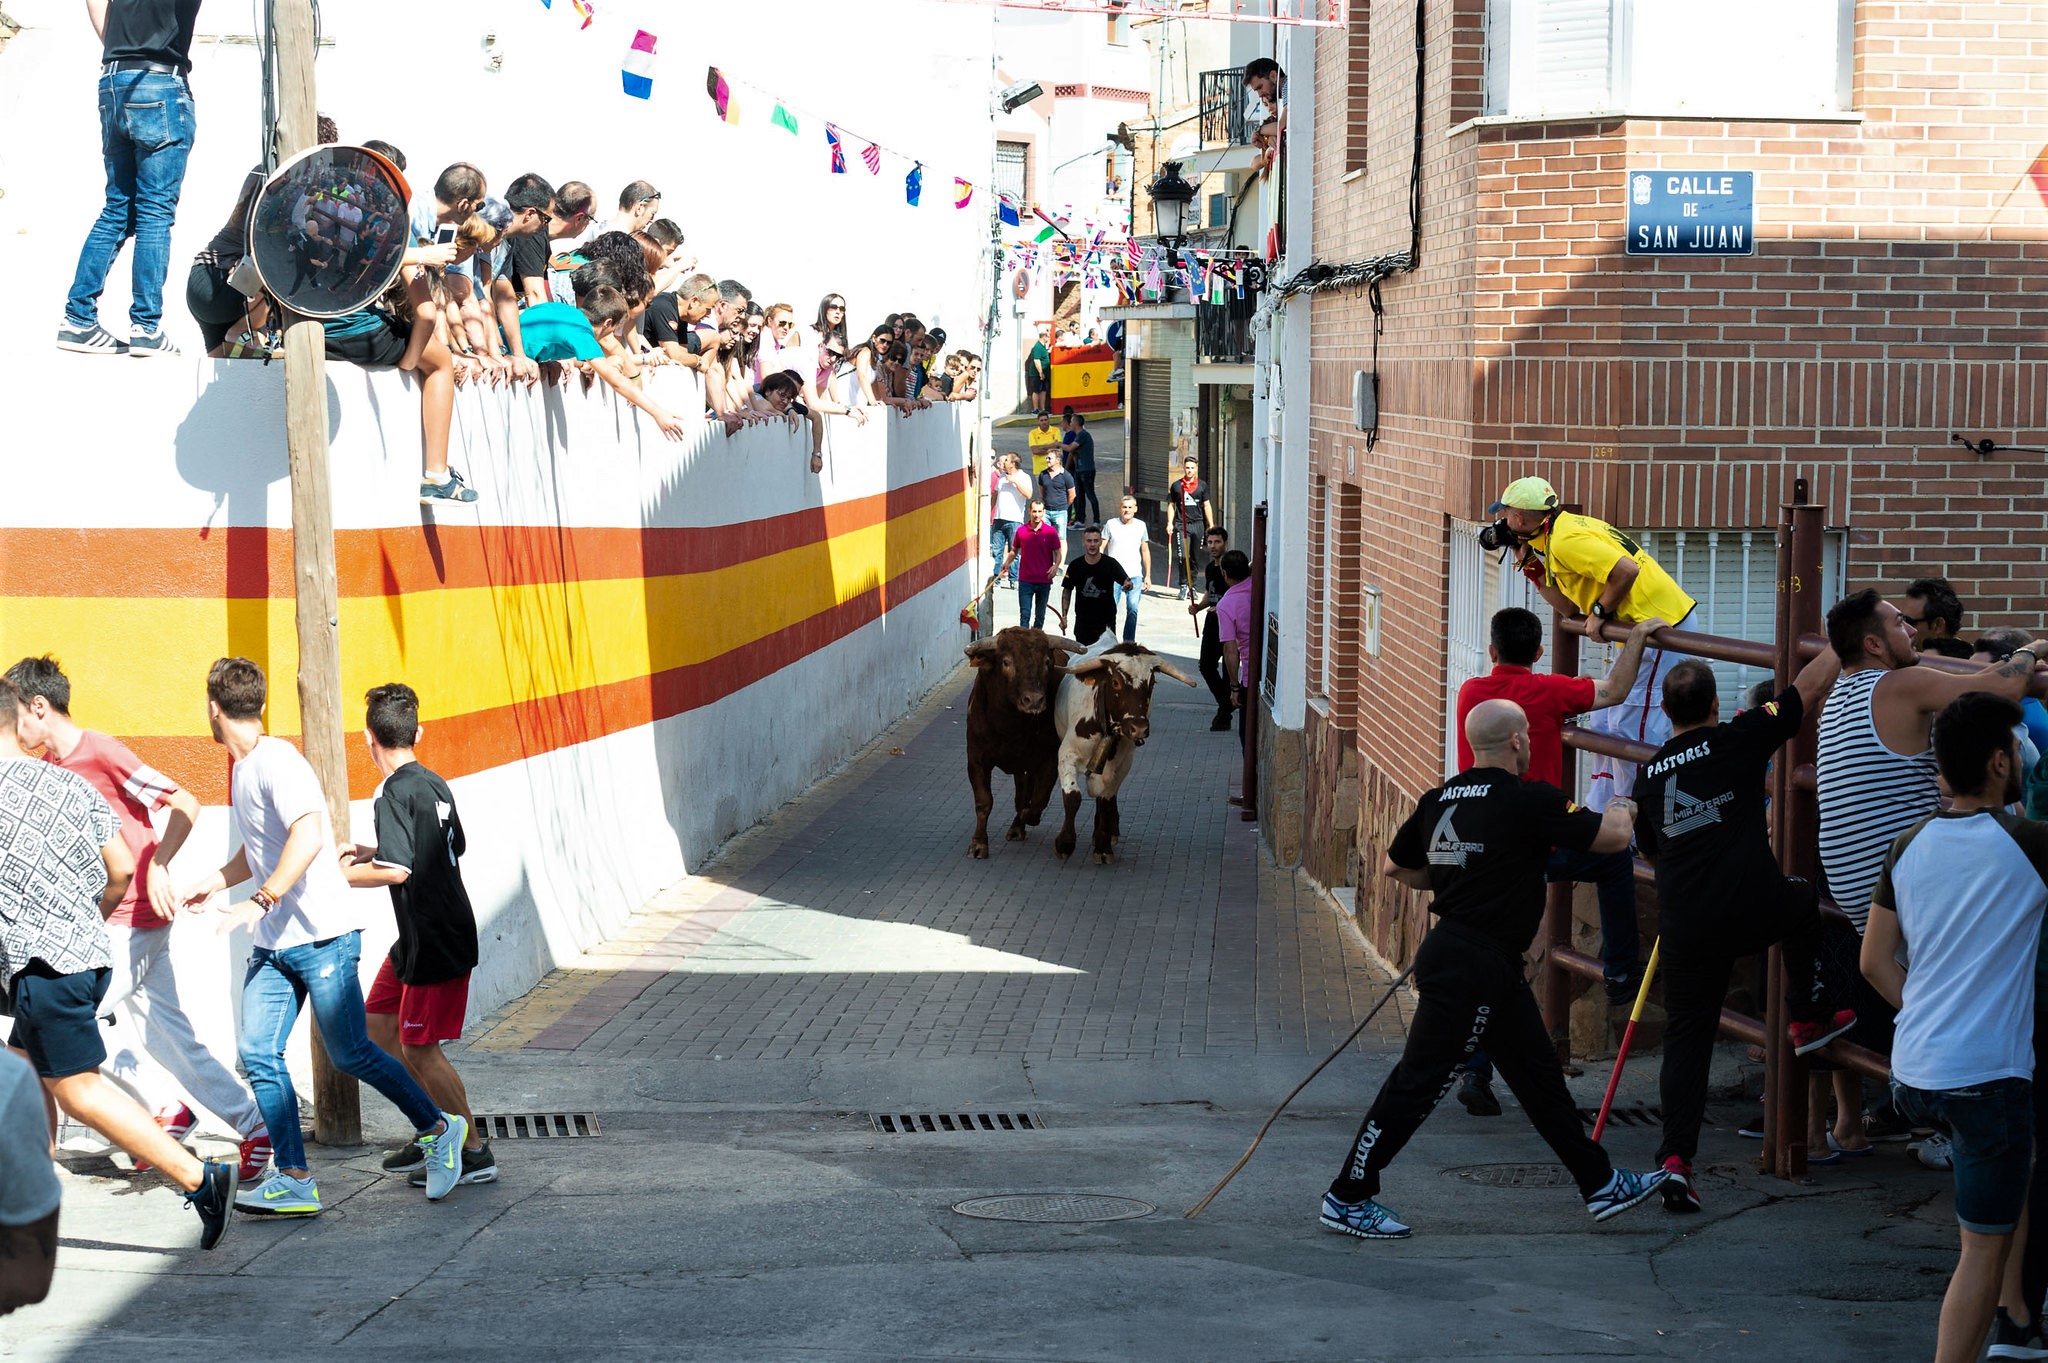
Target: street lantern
1170, 196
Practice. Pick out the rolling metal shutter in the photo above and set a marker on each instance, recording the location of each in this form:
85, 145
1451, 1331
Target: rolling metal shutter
1151, 465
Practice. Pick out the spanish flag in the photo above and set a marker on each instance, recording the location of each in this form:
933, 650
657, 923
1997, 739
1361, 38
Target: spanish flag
962, 192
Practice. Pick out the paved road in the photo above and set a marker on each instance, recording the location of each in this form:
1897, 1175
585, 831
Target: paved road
846, 959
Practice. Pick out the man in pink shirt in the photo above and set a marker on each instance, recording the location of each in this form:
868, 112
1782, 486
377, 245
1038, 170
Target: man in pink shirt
1234, 629
1035, 549
142, 997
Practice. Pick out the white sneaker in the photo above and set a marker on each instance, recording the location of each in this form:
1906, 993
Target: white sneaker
443, 1150
280, 1195
1936, 1152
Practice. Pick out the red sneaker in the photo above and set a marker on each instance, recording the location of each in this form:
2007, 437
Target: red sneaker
1679, 1194
177, 1123
1808, 1037
255, 1157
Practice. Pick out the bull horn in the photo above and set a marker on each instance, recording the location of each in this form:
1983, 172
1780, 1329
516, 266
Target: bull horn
1091, 665
1061, 641
981, 648
1170, 670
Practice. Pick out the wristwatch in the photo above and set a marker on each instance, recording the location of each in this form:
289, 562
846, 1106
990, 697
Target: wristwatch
1599, 611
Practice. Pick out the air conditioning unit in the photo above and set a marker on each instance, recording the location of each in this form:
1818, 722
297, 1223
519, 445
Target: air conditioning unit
1365, 400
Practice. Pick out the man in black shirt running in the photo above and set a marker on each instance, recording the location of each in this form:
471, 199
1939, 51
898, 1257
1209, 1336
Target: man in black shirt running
1092, 576
421, 993
1481, 843
1720, 894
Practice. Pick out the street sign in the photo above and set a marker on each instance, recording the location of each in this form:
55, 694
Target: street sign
1691, 213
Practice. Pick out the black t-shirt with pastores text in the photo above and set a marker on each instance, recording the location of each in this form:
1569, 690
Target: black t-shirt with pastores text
1485, 838
1701, 814
419, 830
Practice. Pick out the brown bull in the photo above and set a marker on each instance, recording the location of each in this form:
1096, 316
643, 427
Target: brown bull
1009, 723
1103, 715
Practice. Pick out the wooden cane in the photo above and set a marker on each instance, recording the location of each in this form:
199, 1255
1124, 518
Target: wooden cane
1628, 1034
1246, 1158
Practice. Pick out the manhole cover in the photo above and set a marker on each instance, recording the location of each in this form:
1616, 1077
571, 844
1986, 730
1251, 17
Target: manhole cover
1054, 1207
1512, 1175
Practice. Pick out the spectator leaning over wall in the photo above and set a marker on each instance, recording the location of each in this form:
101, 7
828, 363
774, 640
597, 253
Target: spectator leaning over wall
146, 128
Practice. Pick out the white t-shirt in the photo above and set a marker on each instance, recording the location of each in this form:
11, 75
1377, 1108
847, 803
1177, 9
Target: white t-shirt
1010, 501
273, 788
1121, 540
1969, 894
28, 1183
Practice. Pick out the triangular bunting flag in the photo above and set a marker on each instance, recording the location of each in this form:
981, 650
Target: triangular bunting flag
721, 96
913, 184
1006, 212
783, 118
637, 71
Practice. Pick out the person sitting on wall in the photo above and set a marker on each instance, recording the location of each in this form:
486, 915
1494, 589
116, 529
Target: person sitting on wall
1584, 566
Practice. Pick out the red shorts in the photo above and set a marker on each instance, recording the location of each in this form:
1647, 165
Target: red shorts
427, 1013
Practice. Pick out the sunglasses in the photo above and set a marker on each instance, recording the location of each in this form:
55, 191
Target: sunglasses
835, 307
650, 199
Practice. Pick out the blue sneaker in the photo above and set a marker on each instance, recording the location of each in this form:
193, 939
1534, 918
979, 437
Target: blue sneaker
91, 339
453, 492
1367, 1220
1623, 1191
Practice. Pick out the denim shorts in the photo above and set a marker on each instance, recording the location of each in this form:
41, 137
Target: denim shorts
1992, 1128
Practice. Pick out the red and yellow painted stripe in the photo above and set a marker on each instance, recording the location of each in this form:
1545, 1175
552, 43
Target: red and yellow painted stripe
520, 639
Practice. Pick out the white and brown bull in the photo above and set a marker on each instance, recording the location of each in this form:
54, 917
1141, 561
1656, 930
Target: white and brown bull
1103, 714
1010, 724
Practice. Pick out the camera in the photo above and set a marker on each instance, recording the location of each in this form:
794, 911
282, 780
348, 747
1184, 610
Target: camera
1498, 536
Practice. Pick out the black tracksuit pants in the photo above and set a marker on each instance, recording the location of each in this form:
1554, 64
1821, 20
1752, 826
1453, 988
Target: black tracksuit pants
1212, 664
1472, 993
1697, 961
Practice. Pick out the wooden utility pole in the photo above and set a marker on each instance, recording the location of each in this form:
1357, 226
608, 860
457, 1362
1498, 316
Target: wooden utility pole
337, 1109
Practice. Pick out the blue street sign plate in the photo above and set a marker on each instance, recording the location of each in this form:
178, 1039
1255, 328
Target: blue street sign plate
1691, 212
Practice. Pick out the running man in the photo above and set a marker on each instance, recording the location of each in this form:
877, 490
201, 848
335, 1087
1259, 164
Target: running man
306, 950
1480, 844
421, 993
151, 1035
64, 867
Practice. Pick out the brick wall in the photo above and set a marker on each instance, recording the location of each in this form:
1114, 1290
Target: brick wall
1899, 292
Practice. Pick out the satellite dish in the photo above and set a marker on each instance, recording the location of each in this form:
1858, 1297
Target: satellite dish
328, 230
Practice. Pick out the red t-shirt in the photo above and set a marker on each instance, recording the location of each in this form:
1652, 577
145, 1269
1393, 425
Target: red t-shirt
1546, 698
135, 790
1038, 551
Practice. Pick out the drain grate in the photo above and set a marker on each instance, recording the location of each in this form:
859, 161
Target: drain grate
1054, 1207
913, 1123
1625, 1116
512, 1126
1512, 1175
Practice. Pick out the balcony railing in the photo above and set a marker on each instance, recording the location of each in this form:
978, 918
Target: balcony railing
1224, 123
1223, 331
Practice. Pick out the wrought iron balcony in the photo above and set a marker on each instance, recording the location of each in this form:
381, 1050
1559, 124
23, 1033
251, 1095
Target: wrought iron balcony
1224, 123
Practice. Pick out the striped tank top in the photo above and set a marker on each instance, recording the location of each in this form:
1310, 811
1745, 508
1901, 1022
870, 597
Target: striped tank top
1867, 793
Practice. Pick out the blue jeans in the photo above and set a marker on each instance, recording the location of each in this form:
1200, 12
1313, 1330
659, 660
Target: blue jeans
146, 129
1614, 875
276, 986
1129, 601
1000, 534
1031, 601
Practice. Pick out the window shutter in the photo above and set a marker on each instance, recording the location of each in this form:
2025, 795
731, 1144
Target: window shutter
1572, 54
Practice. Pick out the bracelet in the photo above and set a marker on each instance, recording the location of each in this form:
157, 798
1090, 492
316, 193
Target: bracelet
264, 899
2028, 651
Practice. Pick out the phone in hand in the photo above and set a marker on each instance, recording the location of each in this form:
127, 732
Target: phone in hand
444, 235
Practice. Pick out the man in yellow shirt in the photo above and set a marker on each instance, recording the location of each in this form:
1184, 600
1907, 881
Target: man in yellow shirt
1043, 436
1584, 566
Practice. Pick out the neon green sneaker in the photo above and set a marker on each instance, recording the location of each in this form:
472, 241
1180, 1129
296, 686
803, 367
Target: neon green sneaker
280, 1195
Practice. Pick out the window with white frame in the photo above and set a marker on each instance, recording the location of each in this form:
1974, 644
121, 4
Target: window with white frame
1733, 59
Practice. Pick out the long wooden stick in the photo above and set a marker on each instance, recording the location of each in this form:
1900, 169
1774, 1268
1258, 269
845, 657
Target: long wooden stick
1246, 1158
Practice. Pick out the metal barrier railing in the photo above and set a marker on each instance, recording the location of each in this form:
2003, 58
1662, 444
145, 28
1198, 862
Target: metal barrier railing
1794, 830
